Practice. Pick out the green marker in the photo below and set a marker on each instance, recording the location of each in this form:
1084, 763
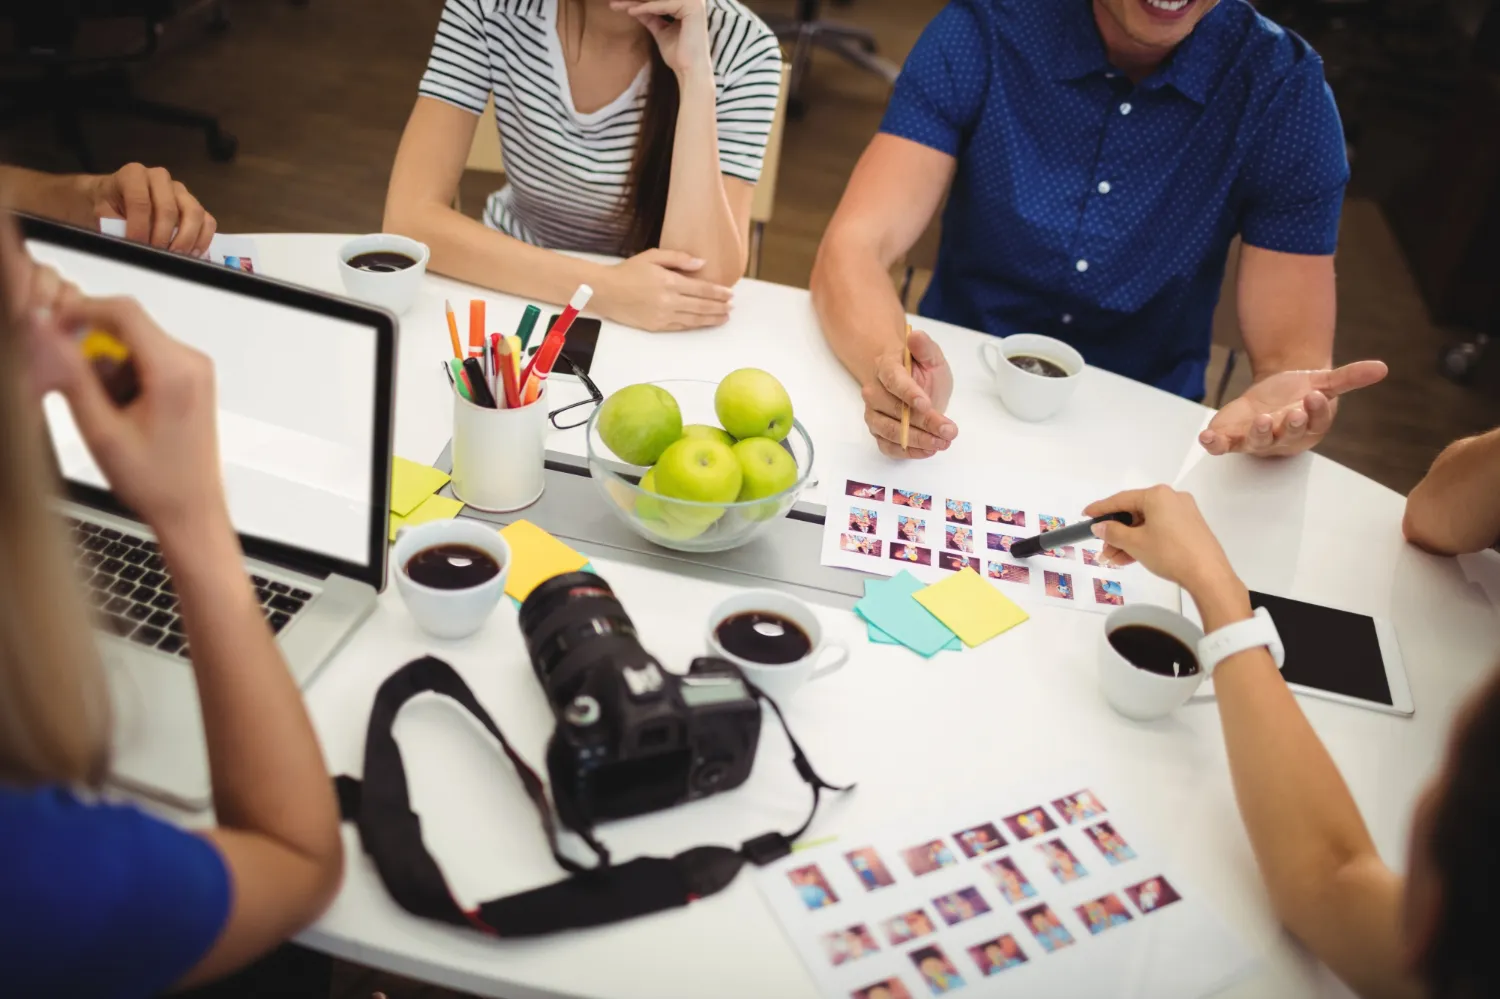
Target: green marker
528, 325
459, 379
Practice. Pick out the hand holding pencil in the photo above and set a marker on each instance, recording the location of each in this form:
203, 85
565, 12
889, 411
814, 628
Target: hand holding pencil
912, 378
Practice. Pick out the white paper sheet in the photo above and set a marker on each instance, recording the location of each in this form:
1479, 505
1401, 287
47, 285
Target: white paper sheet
912, 907
238, 252
884, 516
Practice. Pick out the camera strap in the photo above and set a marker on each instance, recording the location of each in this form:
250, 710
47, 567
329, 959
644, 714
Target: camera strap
391, 833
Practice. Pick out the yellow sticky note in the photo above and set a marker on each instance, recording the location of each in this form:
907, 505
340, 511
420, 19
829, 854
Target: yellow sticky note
432, 508
412, 483
974, 609
535, 557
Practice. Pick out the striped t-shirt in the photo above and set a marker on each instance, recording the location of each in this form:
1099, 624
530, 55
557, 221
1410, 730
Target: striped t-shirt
566, 171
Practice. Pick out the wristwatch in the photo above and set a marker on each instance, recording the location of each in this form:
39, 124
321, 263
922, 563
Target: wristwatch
1235, 638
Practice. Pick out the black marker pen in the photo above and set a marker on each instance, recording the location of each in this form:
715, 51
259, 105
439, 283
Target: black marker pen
1027, 547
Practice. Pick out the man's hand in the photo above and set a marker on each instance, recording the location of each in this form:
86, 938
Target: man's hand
156, 209
926, 390
1286, 413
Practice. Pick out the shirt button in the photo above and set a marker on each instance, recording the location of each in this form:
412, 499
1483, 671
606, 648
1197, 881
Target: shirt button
1082, 265
1110, 76
1067, 318
1125, 108
1104, 187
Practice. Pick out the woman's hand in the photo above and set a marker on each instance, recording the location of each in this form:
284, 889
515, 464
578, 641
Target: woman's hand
652, 291
683, 40
1170, 538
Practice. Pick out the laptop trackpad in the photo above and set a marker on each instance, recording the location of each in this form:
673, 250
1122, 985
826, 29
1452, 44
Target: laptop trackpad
158, 727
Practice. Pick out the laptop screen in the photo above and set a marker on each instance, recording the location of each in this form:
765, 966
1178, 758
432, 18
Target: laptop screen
299, 394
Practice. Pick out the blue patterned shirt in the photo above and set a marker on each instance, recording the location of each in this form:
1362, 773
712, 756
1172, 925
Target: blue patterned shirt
1099, 211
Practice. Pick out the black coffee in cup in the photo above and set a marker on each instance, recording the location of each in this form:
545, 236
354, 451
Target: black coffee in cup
1032, 364
764, 638
452, 567
381, 261
1154, 650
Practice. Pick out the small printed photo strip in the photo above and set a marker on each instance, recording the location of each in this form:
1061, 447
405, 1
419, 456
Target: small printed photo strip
1081, 806
980, 839
891, 988
861, 544
1109, 592
1000, 542
1007, 573
995, 956
1046, 522
1005, 515
1011, 882
1066, 551
843, 946
908, 926
1047, 928
1061, 862
1110, 843
957, 562
928, 857
862, 520
959, 538
1152, 894
864, 490
1090, 556
964, 904
936, 970
911, 530
1032, 822
869, 868
910, 553
1059, 584
905, 497
812, 887
1102, 914
959, 511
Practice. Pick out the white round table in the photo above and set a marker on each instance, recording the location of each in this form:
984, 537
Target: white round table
913, 733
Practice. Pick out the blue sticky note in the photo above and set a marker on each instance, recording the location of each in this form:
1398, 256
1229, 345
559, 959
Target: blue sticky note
879, 637
892, 609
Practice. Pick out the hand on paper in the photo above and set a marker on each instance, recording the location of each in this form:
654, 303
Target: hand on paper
926, 390
653, 291
1170, 538
156, 209
1287, 413
683, 40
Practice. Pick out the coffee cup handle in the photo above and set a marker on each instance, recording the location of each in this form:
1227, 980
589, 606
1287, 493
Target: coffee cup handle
833, 664
990, 361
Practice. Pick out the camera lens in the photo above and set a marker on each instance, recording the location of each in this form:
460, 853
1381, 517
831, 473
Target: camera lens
572, 623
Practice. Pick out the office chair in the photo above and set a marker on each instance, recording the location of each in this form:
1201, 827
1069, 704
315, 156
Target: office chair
807, 31
65, 84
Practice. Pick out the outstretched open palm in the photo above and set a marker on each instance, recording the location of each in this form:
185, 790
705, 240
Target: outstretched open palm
1288, 412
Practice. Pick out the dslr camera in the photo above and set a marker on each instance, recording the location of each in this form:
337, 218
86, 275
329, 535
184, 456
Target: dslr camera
631, 738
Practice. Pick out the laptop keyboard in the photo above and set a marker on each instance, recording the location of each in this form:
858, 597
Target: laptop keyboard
132, 594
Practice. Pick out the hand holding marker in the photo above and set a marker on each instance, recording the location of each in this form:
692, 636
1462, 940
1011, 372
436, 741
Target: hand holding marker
1027, 547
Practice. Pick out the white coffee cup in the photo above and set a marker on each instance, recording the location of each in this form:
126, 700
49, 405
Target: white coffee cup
1029, 396
450, 613
394, 290
780, 682
1139, 693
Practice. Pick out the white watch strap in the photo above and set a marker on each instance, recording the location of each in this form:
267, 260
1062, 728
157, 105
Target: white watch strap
1236, 638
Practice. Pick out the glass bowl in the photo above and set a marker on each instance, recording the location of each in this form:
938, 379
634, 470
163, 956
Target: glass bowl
683, 525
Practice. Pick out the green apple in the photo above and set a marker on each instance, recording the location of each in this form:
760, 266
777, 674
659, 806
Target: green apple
752, 403
648, 507
700, 471
767, 468
707, 432
639, 422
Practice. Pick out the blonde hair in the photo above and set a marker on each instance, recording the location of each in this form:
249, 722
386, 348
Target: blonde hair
54, 708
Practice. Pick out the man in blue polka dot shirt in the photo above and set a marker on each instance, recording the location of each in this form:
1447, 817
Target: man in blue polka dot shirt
1102, 155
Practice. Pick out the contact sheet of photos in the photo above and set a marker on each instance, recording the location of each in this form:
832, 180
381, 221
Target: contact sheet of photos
1045, 896
884, 527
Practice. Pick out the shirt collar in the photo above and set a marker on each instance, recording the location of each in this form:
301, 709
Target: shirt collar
1191, 70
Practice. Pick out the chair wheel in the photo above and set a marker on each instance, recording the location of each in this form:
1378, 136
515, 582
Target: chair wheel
222, 146
1460, 362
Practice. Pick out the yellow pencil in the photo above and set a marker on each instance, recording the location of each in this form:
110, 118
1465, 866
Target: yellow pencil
905, 409
515, 355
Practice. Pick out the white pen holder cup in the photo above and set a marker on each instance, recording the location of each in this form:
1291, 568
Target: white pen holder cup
499, 455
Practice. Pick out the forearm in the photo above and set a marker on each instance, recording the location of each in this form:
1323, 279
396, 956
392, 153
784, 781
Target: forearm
856, 304
268, 773
699, 219
1288, 309
1456, 508
57, 196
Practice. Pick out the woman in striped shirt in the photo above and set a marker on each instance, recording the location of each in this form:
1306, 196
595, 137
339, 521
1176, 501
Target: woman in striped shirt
633, 128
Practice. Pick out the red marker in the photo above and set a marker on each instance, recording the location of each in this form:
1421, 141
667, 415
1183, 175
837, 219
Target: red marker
541, 365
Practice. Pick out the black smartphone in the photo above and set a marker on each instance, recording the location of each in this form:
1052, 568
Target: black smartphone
583, 337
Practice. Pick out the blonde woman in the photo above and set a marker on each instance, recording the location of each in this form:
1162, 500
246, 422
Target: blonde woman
101, 899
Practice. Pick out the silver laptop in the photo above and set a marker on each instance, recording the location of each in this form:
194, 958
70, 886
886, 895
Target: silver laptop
305, 387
